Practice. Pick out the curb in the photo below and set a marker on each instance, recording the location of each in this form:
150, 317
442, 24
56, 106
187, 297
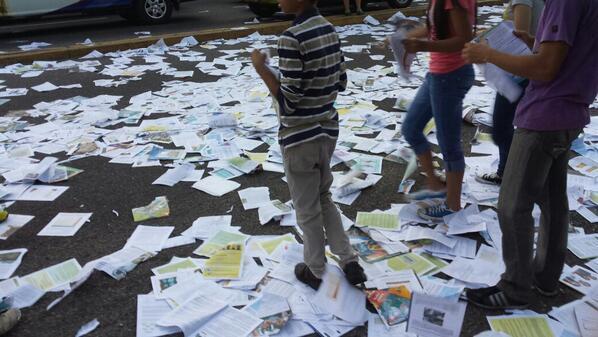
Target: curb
76, 51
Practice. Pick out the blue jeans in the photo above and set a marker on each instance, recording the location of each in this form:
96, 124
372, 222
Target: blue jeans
502, 126
440, 96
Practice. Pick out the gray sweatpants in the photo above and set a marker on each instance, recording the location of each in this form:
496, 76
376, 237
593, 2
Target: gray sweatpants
536, 172
307, 167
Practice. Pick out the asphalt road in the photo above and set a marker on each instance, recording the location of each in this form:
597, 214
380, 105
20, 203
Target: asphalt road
194, 15
105, 187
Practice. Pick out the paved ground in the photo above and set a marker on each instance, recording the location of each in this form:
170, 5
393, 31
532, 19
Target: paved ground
105, 187
194, 15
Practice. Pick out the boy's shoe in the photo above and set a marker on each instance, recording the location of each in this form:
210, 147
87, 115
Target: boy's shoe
360, 12
489, 178
427, 194
305, 275
9, 319
494, 299
435, 213
354, 273
546, 292
347, 13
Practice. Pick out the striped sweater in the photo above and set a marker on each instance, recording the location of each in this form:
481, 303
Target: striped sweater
312, 72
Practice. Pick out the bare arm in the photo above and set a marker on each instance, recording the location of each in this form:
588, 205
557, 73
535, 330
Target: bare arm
418, 32
542, 66
522, 18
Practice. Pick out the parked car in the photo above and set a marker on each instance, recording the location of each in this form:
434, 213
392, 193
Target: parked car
139, 11
266, 8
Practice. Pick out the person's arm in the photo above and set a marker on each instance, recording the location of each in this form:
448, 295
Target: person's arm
522, 18
463, 34
542, 66
419, 32
259, 62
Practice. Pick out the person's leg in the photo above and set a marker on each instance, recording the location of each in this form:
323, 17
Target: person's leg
335, 233
303, 177
552, 237
418, 115
358, 7
447, 92
333, 225
347, 6
525, 176
502, 129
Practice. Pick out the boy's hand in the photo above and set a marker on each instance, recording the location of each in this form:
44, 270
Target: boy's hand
413, 45
258, 59
476, 52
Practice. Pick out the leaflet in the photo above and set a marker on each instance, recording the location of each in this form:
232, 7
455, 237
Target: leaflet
173, 176
149, 238
584, 246
521, 325
193, 314
13, 223
435, 316
254, 197
65, 224
382, 221
10, 261
149, 311
55, 276
219, 241
225, 264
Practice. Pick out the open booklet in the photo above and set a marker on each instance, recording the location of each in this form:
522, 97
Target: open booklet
501, 38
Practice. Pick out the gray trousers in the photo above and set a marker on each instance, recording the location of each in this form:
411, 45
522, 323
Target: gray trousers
536, 172
307, 167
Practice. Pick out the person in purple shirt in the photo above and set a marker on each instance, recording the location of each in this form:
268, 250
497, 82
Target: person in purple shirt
563, 74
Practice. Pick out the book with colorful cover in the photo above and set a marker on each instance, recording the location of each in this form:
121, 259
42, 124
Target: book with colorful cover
391, 304
371, 251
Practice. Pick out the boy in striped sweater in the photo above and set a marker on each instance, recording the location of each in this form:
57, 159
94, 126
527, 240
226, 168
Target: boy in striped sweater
312, 72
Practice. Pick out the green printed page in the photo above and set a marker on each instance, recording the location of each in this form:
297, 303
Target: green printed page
410, 261
382, 221
219, 241
521, 326
270, 245
173, 267
54, 276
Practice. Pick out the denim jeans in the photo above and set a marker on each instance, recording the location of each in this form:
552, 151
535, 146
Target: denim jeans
536, 173
502, 128
440, 96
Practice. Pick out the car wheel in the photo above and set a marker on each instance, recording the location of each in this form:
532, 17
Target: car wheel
263, 10
399, 3
153, 11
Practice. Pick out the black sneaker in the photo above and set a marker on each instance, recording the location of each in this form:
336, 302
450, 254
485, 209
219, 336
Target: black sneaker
546, 292
494, 299
305, 275
489, 178
354, 273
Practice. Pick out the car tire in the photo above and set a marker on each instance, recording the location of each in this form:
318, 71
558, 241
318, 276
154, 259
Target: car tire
150, 12
263, 10
399, 3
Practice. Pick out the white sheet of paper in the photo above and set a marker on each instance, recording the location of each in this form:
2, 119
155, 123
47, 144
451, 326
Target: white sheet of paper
42, 193
65, 224
149, 311
150, 238
10, 261
173, 176
435, 316
13, 223
216, 186
254, 197
340, 298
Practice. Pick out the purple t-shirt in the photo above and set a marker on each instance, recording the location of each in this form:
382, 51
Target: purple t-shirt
563, 103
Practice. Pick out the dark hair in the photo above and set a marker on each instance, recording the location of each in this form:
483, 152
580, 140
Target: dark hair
441, 17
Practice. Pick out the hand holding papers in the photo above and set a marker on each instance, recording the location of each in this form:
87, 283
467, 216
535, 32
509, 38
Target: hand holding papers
501, 38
